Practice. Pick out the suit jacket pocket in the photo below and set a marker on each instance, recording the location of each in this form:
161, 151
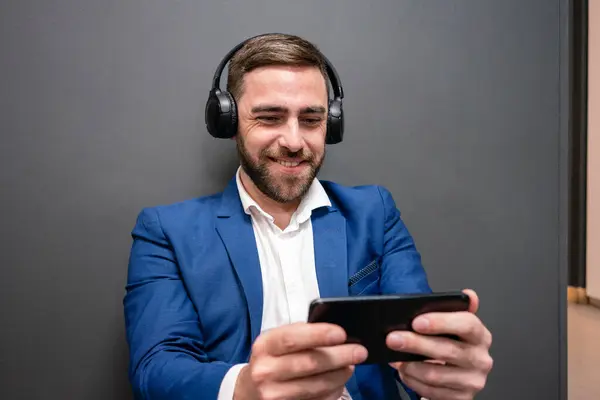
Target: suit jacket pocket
365, 281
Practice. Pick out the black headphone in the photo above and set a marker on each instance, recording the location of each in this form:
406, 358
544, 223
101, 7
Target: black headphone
221, 114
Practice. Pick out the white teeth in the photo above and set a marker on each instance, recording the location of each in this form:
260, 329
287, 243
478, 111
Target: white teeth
288, 163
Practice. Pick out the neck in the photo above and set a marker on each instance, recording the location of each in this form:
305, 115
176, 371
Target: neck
281, 212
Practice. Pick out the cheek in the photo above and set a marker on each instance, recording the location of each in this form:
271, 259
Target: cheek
316, 143
256, 138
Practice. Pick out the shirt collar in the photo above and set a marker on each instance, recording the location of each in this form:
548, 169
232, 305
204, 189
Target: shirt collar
316, 197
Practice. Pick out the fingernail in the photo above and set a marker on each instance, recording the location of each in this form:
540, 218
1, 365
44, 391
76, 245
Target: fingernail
396, 340
335, 336
359, 354
421, 324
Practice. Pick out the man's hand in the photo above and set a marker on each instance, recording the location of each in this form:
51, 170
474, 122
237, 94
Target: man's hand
458, 369
299, 361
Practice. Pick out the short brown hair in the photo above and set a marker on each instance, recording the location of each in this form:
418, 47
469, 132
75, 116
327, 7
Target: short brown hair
271, 49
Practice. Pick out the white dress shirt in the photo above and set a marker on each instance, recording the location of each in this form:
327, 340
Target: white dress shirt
287, 266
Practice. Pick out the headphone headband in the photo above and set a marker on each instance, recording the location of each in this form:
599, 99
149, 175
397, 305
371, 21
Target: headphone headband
334, 78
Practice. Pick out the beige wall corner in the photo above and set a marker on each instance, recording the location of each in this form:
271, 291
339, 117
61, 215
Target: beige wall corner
593, 155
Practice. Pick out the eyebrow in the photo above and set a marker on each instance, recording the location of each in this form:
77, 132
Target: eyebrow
313, 110
279, 109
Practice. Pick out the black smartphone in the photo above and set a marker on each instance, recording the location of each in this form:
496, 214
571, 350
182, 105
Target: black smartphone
368, 320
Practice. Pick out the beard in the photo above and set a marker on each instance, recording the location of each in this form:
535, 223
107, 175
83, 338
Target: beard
284, 188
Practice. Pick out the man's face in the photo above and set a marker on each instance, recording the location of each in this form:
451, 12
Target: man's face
282, 126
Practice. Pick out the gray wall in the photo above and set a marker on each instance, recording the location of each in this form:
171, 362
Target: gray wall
453, 105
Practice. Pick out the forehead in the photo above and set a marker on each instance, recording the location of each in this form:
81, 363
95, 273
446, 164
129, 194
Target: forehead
285, 85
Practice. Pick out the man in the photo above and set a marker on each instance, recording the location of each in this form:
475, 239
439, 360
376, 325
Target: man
219, 286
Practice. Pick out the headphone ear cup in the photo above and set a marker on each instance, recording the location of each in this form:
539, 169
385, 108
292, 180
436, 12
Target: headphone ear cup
211, 114
232, 122
335, 122
220, 115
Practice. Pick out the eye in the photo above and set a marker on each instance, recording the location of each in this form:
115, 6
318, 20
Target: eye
269, 119
312, 121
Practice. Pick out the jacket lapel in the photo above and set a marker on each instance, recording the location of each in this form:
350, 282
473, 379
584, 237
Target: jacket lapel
331, 262
235, 229
329, 231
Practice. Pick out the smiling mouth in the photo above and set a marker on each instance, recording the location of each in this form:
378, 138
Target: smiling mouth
287, 163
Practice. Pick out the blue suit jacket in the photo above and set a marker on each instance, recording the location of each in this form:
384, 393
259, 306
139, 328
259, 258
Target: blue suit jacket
193, 305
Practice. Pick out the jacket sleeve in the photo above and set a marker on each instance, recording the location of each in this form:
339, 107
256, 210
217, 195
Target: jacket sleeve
402, 270
167, 357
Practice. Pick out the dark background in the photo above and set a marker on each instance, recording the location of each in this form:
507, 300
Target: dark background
456, 106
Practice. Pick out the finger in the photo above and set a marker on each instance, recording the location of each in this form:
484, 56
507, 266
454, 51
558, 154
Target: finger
442, 349
335, 394
445, 376
431, 392
437, 348
396, 365
474, 300
315, 386
297, 337
315, 361
466, 325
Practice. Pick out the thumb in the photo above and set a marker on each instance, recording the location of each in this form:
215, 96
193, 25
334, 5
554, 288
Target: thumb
474, 300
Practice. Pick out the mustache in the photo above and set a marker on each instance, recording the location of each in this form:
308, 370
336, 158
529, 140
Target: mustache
284, 153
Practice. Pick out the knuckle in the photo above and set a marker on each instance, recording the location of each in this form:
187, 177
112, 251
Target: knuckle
480, 360
261, 393
476, 385
410, 369
266, 393
261, 373
287, 343
487, 363
452, 352
474, 358
258, 347
480, 384
431, 375
471, 326
415, 385
308, 364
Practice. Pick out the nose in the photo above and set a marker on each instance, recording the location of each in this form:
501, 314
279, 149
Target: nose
291, 136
